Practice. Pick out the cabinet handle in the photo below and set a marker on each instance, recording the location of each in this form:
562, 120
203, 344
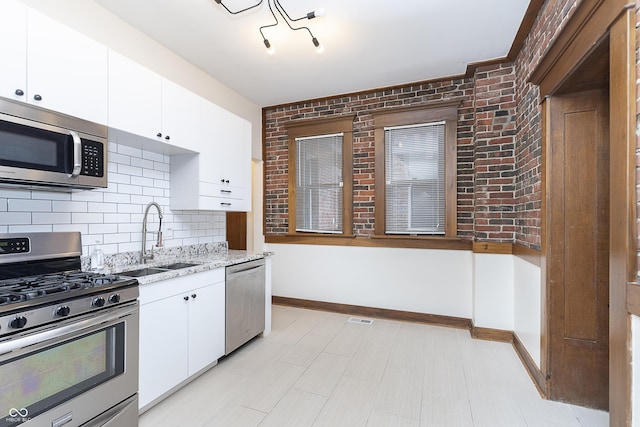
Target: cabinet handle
19, 92
194, 296
167, 137
185, 298
37, 97
226, 191
225, 204
159, 135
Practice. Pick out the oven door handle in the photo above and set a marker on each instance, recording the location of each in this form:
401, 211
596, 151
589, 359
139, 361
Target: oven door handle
58, 332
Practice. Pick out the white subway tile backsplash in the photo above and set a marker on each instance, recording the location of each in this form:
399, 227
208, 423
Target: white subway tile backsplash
127, 150
153, 174
30, 228
12, 218
82, 228
88, 218
8, 193
50, 218
50, 195
69, 206
117, 198
141, 181
142, 163
151, 191
102, 207
130, 170
24, 205
118, 158
88, 196
119, 218
103, 228
118, 178
113, 215
129, 189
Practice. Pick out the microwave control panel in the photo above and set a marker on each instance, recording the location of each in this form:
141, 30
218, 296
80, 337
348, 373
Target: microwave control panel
92, 158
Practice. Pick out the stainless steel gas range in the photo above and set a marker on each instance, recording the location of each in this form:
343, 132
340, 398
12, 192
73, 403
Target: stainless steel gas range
68, 338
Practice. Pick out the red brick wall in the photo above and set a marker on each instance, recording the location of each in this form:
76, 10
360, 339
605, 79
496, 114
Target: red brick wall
499, 143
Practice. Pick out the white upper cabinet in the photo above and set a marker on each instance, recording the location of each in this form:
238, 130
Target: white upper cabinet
180, 116
50, 65
143, 103
135, 97
219, 178
13, 48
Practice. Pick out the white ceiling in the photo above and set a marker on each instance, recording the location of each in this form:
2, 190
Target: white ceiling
367, 44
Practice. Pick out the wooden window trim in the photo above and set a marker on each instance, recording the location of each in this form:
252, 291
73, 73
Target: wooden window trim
314, 127
447, 112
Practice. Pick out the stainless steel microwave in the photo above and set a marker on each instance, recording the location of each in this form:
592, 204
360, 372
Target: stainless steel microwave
42, 149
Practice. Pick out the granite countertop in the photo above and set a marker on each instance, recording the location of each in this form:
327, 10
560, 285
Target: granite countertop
204, 263
207, 257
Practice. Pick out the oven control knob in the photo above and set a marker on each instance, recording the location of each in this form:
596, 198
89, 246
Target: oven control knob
98, 302
18, 322
114, 298
63, 310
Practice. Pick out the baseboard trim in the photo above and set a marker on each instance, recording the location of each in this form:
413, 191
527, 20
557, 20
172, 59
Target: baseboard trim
489, 334
538, 377
382, 313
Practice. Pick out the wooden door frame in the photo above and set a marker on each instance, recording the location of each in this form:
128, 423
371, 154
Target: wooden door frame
592, 22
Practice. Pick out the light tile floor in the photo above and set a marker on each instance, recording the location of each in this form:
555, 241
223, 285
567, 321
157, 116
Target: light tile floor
318, 369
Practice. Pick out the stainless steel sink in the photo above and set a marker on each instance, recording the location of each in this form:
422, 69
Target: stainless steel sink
178, 265
155, 270
143, 272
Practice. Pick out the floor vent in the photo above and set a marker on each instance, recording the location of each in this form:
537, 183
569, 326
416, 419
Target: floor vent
362, 321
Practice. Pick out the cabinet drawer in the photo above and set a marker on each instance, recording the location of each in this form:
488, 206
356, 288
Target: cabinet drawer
167, 288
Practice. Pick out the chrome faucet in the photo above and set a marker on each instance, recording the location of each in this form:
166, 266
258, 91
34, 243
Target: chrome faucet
144, 256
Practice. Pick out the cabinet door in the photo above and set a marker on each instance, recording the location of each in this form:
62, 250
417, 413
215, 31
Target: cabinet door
13, 48
238, 141
206, 326
163, 347
135, 97
180, 116
66, 69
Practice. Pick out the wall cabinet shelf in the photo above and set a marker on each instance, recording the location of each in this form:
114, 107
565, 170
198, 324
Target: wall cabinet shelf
182, 323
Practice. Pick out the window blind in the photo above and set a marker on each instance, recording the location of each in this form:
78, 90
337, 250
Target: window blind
415, 179
319, 184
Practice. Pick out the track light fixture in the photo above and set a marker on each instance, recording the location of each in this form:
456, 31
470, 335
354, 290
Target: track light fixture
275, 4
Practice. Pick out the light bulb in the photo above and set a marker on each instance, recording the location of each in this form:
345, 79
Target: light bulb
270, 49
319, 12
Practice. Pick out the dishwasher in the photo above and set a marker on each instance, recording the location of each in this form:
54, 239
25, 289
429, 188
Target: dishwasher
245, 303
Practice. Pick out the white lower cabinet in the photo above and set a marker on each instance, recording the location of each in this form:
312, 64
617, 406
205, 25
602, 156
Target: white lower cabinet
181, 330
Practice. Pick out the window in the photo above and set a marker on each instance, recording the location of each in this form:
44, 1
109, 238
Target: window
320, 176
415, 179
415, 172
319, 184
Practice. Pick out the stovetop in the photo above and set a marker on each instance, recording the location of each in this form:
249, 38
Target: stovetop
55, 286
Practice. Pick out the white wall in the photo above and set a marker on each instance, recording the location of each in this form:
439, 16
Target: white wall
112, 215
493, 283
528, 306
496, 291
419, 280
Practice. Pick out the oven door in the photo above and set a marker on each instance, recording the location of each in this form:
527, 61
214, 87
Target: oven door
71, 373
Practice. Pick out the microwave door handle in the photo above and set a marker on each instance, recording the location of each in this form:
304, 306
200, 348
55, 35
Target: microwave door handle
77, 154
